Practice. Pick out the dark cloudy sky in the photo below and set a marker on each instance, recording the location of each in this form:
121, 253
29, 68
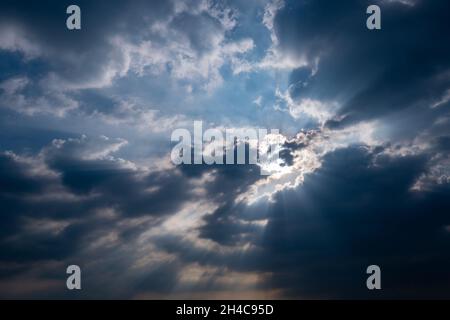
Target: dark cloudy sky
86, 177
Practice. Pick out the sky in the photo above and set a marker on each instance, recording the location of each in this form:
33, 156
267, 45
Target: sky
86, 178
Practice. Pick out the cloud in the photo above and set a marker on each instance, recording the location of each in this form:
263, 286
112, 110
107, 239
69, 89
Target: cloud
171, 45
188, 41
86, 177
311, 239
21, 95
306, 108
321, 236
370, 74
75, 201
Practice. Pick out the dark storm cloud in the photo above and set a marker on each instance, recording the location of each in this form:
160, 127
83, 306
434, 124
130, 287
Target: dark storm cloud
80, 188
229, 181
17, 185
356, 210
86, 55
48, 217
373, 73
14, 180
